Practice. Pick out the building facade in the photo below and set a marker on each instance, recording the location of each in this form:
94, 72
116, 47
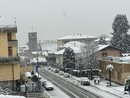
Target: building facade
32, 38
9, 60
119, 72
79, 37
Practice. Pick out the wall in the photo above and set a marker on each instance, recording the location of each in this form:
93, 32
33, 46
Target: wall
26, 69
119, 73
59, 59
59, 43
110, 52
6, 72
3, 45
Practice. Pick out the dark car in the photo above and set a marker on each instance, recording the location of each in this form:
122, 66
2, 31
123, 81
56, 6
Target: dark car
127, 85
126, 89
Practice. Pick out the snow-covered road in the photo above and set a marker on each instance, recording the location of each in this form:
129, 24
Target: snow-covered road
93, 89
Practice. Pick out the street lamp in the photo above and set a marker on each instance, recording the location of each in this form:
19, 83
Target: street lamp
109, 68
100, 73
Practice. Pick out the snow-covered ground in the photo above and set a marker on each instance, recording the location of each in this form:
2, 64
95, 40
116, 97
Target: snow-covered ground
56, 93
102, 88
10, 96
115, 89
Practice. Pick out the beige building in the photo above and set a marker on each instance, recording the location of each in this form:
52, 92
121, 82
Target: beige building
118, 74
79, 37
107, 50
9, 61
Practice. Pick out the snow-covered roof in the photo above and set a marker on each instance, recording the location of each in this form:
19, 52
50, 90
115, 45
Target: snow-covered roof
77, 36
100, 47
125, 60
39, 52
49, 46
106, 39
75, 45
40, 59
60, 52
22, 48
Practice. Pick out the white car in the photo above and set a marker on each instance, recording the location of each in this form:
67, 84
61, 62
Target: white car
85, 81
66, 75
61, 73
48, 85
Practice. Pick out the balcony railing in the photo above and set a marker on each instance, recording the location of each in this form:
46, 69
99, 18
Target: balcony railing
9, 60
12, 43
8, 28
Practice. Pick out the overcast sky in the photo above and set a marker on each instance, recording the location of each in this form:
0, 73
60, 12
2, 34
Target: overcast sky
52, 19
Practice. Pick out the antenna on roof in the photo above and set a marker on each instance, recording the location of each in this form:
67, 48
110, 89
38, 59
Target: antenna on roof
15, 20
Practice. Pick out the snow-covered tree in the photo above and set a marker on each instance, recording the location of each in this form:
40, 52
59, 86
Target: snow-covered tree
68, 58
90, 57
102, 41
120, 28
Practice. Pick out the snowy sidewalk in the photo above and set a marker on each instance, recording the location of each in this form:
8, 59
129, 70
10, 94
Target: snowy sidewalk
115, 89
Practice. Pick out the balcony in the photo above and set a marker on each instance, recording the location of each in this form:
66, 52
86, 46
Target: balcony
12, 43
8, 28
9, 60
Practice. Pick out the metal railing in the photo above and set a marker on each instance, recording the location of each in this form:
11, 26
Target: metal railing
9, 60
12, 43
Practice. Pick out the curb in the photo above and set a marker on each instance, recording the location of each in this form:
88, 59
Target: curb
107, 91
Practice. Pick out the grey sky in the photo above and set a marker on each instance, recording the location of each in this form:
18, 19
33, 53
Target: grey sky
53, 19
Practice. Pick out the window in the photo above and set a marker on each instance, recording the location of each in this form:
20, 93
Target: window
104, 54
10, 53
9, 36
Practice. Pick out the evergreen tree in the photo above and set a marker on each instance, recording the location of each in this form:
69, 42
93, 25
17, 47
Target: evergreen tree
68, 58
120, 28
102, 41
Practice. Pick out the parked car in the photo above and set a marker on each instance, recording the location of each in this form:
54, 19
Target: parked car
56, 70
66, 75
61, 73
49, 67
85, 81
127, 83
38, 75
126, 89
48, 85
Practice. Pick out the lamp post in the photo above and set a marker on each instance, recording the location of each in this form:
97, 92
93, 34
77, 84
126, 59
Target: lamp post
109, 68
100, 73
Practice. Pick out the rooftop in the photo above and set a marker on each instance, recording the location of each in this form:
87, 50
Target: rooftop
8, 28
77, 36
